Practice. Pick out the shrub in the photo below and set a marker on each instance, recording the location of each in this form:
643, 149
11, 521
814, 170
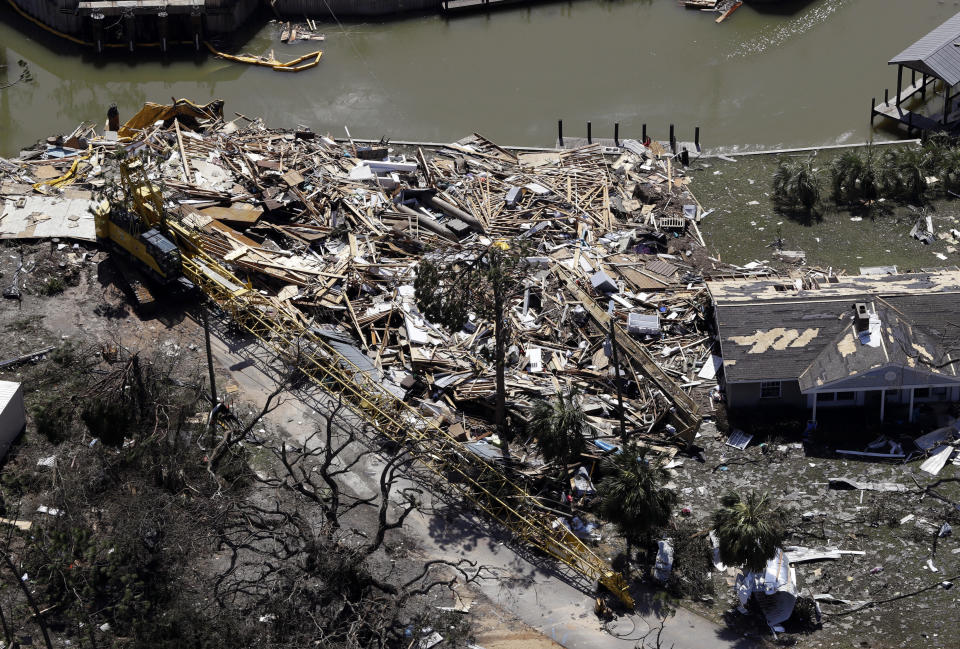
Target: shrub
108, 420
53, 420
64, 355
52, 286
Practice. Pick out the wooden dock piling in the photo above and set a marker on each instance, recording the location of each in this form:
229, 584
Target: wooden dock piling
899, 82
560, 132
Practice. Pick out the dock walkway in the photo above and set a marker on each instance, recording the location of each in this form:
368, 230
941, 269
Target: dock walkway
893, 108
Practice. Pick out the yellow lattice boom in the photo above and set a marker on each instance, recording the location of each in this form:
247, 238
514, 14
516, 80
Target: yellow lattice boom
284, 331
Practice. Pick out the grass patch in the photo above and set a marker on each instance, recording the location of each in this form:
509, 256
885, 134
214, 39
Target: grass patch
52, 286
746, 224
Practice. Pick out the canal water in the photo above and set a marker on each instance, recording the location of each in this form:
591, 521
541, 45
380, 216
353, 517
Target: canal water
799, 74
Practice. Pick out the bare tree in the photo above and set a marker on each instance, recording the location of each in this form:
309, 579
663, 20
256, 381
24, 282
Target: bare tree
308, 552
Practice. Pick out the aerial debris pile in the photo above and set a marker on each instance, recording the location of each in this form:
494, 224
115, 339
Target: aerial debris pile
336, 231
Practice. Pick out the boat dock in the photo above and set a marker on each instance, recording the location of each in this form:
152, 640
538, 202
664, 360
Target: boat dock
934, 64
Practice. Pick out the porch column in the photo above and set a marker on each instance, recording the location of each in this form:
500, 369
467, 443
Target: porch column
899, 82
946, 102
910, 418
814, 417
883, 402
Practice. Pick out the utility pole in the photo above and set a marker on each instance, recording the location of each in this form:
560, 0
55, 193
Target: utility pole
616, 368
206, 335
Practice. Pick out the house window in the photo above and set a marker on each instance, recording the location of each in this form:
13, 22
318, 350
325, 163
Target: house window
846, 396
921, 393
826, 397
770, 390
939, 393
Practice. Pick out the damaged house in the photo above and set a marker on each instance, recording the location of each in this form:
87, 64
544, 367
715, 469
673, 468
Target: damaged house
884, 343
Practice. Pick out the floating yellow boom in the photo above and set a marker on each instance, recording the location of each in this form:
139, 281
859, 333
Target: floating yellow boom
295, 65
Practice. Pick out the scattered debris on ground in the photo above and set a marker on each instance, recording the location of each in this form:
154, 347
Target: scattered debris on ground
338, 231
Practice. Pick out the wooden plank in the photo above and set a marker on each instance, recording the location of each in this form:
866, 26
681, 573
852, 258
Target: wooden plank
183, 154
231, 233
728, 12
687, 410
235, 214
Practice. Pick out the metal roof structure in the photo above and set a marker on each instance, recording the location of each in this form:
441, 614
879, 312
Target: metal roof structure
936, 54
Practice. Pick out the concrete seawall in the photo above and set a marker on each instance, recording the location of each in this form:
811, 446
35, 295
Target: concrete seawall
152, 21
57, 14
353, 8
143, 22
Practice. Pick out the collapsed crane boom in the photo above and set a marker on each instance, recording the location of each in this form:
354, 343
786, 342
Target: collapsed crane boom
284, 331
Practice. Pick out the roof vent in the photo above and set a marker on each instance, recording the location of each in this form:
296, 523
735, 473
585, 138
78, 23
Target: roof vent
861, 317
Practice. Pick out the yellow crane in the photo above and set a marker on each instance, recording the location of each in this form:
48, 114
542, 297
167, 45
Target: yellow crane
284, 331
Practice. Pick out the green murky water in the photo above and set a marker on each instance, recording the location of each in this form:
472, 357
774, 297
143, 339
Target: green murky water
800, 75
797, 75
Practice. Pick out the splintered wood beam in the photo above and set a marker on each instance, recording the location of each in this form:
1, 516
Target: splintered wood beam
183, 153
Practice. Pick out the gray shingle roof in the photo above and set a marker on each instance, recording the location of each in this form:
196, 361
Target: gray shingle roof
811, 338
936, 53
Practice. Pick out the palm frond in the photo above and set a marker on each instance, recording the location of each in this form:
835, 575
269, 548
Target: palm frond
749, 530
633, 495
559, 427
796, 186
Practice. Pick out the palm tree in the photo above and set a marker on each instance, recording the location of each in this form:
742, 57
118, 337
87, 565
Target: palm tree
904, 173
948, 168
633, 496
845, 171
869, 181
749, 530
937, 147
854, 178
796, 186
559, 427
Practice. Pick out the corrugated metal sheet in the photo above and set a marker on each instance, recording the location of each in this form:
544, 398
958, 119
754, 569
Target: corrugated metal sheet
935, 54
661, 267
8, 390
12, 414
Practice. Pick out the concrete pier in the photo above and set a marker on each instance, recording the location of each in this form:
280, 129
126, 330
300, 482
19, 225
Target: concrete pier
138, 23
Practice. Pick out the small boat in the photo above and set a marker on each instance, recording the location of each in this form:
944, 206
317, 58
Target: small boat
285, 33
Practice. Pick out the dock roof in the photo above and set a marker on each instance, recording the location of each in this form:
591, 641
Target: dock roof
936, 54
